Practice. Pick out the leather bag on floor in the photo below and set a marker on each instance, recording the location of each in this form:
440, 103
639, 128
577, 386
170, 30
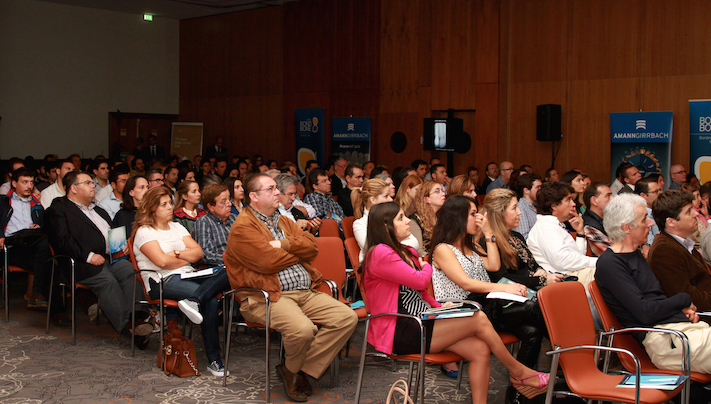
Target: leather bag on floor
178, 354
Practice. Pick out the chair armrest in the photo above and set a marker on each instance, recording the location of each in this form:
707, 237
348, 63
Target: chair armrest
332, 286
472, 302
685, 363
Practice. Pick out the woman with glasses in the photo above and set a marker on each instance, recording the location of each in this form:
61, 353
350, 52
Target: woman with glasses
187, 199
162, 245
428, 201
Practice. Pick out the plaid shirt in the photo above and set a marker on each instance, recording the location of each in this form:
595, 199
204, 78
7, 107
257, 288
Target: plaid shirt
597, 239
527, 218
294, 277
324, 204
212, 234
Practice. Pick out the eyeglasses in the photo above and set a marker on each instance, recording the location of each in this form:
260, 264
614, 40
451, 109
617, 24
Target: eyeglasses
507, 169
87, 182
226, 202
290, 194
679, 172
438, 191
158, 180
269, 189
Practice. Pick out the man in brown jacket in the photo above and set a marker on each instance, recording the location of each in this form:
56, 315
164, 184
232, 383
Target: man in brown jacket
267, 253
675, 262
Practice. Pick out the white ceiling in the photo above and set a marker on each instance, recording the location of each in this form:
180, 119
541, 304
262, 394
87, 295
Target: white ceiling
174, 9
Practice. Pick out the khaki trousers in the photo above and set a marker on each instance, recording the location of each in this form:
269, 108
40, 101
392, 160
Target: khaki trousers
660, 351
297, 315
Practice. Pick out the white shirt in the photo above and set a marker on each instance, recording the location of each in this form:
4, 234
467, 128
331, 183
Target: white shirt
49, 194
616, 186
169, 240
5, 188
111, 205
103, 193
554, 248
360, 232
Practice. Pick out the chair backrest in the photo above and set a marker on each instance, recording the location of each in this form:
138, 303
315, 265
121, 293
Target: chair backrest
570, 323
626, 341
353, 251
132, 258
329, 228
347, 226
331, 261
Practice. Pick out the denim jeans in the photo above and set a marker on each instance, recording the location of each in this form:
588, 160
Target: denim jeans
176, 288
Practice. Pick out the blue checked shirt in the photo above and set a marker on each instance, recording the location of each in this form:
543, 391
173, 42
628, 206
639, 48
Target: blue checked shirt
295, 277
324, 204
212, 234
527, 218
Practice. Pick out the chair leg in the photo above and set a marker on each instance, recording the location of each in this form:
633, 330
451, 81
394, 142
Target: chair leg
49, 300
5, 288
409, 379
133, 319
227, 344
461, 373
74, 323
361, 366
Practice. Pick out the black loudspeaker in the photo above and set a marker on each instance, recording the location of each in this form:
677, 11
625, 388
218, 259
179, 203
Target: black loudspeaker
548, 123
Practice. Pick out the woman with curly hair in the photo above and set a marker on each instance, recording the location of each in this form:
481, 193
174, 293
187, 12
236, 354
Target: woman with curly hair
423, 218
407, 192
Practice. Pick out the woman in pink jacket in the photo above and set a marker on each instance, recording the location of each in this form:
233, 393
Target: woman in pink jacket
395, 279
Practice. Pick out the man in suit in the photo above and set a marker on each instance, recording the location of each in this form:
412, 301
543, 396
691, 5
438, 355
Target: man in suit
338, 179
153, 151
217, 150
79, 229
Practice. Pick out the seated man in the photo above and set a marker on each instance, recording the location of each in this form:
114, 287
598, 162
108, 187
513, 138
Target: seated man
550, 244
264, 251
648, 188
596, 197
527, 189
21, 218
212, 229
117, 178
632, 292
354, 179
321, 199
287, 184
79, 229
57, 189
672, 257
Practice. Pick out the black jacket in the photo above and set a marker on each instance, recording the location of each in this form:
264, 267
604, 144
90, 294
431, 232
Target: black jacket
36, 212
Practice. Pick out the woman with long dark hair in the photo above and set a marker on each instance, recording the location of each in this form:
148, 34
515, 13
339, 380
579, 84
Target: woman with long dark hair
395, 279
132, 195
575, 180
187, 199
461, 273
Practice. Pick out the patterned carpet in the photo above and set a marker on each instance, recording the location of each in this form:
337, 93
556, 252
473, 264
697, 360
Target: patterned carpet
45, 368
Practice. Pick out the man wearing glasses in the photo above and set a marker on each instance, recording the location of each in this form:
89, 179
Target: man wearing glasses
677, 172
649, 189
505, 170
79, 229
338, 179
155, 178
117, 179
267, 252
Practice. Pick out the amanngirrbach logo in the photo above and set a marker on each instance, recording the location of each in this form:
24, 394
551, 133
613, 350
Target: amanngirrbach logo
351, 127
641, 124
705, 124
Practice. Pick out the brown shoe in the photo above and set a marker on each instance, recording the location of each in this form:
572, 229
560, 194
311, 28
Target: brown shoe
304, 384
291, 384
37, 301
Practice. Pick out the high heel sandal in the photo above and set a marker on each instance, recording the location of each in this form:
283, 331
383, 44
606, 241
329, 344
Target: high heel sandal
531, 391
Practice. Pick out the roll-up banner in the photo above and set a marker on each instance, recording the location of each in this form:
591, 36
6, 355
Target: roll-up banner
700, 139
351, 139
643, 139
310, 138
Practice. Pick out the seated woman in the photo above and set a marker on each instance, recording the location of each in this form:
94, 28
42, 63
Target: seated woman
395, 279
701, 223
517, 262
461, 273
407, 192
389, 180
462, 185
133, 192
234, 185
166, 246
372, 192
187, 198
575, 180
423, 218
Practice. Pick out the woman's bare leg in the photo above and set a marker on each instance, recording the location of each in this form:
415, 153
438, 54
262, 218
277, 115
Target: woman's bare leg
447, 333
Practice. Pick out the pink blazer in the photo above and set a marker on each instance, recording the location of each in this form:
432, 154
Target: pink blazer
385, 272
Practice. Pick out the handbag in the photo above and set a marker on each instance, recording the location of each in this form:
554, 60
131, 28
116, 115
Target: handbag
178, 354
405, 391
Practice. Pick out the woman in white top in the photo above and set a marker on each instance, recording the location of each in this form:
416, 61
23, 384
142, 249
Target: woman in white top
165, 246
372, 192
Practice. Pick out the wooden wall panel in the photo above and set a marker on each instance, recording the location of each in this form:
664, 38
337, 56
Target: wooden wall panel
484, 133
399, 56
487, 41
408, 123
356, 45
677, 38
538, 32
604, 39
453, 54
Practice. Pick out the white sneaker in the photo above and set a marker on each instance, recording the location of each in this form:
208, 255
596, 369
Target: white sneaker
191, 309
217, 369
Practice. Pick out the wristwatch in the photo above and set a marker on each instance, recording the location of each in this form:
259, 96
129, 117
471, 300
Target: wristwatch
491, 239
177, 253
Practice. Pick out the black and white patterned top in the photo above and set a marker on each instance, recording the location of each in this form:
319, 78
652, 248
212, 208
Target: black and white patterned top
473, 266
411, 302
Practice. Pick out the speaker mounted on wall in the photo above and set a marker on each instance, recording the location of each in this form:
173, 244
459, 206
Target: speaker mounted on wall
548, 123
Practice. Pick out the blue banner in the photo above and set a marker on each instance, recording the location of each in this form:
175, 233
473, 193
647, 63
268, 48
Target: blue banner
310, 136
700, 139
351, 139
643, 139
